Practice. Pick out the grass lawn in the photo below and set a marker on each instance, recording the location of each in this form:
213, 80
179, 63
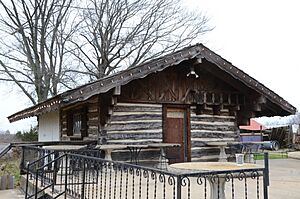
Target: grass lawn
272, 155
10, 166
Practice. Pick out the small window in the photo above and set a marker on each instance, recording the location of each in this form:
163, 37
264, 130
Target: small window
77, 123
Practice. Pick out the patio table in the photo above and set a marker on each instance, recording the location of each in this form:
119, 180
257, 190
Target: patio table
109, 148
60, 150
64, 147
163, 161
249, 148
217, 187
135, 152
221, 145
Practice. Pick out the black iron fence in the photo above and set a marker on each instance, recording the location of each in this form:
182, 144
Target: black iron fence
89, 177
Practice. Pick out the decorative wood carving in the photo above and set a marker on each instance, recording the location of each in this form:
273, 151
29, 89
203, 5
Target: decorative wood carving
173, 86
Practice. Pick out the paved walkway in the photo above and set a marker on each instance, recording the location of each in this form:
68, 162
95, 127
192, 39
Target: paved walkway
11, 194
284, 178
294, 155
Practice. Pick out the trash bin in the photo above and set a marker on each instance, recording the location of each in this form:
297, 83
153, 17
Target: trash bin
271, 145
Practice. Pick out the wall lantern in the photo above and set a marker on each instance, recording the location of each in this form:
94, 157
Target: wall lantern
192, 72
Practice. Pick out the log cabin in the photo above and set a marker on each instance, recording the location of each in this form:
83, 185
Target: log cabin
192, 96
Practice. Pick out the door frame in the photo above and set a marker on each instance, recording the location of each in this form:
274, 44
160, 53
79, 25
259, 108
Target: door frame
186, 109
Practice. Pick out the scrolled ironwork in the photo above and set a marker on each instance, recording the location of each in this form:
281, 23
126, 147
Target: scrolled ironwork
110, 179
228, 177
146, 173
162, 177
185, 181
131, 170
214, 178
171, 180
254, 174
242, 175
138, 172
153, 175
200, 179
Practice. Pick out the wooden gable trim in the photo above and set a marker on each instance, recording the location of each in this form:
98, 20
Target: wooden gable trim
246, 79
105, 84
197, 51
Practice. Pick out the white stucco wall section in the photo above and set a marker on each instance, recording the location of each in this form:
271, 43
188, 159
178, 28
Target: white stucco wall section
49, 127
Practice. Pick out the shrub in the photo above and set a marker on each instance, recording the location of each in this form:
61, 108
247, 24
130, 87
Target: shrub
31, 135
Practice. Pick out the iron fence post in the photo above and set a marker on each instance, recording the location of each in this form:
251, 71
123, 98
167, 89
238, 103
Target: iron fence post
36, 184
66, 175
22, 162
178, 187
266, 175
27, 182
83, 180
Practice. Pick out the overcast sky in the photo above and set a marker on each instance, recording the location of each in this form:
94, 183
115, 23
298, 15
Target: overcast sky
261, 37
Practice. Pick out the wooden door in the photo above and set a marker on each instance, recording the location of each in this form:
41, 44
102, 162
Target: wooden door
176, 130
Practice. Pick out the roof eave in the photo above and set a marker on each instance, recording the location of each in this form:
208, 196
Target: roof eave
103, 85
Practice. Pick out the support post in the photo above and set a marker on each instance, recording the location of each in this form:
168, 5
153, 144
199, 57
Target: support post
266, 175
178, 184
27, 182
83, 180
22, 163
36, 184
66, 175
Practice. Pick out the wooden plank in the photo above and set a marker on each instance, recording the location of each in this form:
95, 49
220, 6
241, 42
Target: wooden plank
3, 182
213, 139
93, 114
213, 128
113, 122
135, 136
212, 123
93, 109
136, 113
136, 141
135, 117
193, 114
137, 108
134, 126
153, 131
92, 123
11, 182
120, 104
117, 90
93, 131
214, 135
93, 127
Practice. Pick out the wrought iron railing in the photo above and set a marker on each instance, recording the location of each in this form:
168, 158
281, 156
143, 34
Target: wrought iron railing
42, 176
81, 176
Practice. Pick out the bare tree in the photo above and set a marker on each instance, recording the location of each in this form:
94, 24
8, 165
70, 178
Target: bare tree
122, 33
33, 54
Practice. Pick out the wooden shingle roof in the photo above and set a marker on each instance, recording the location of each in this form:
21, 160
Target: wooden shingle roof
103, 85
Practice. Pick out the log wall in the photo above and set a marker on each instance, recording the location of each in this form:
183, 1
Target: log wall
207, 128
141, 123
134, 123
92, 119
64, 129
